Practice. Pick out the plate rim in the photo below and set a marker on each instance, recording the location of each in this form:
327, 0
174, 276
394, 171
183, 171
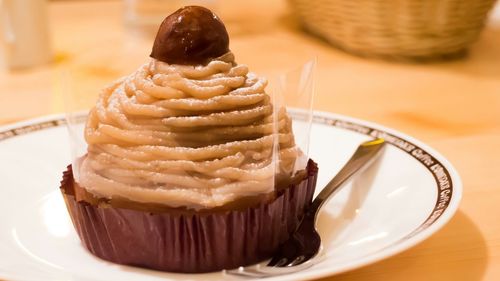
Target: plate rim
421, 236
56, 120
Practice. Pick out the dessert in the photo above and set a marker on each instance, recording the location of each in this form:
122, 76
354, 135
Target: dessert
190, 167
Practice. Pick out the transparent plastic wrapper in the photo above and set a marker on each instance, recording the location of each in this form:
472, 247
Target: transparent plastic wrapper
190, 169
294, 90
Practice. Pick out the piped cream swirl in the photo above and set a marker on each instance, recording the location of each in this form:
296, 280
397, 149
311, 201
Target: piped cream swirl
192, 136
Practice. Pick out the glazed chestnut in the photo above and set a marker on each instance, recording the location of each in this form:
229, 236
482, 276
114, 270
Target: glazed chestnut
192, 35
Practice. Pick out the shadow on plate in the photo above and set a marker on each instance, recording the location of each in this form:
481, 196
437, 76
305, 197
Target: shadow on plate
329, 226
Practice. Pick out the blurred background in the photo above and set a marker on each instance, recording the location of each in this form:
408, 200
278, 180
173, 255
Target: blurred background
430, 68
415, 58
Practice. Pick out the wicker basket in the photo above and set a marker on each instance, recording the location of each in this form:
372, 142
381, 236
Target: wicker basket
400, 29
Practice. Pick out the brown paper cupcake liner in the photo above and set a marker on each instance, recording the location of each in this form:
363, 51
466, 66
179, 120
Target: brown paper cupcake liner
189, 242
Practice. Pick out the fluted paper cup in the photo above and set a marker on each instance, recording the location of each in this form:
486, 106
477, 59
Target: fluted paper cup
184, 240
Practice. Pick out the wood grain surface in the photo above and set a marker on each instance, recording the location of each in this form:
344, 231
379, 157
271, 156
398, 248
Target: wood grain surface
453, 106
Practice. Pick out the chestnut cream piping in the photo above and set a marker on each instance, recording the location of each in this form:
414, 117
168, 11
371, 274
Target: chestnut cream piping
186, 136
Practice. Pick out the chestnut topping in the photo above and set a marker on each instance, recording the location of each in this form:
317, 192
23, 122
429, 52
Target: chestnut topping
192, 35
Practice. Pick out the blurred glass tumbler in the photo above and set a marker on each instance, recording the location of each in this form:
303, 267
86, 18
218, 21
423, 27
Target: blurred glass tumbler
24, 33
146, 15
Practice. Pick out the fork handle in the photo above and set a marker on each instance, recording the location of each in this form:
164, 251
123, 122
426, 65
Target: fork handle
363, 157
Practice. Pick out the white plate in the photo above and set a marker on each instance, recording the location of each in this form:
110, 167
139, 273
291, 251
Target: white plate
410, 193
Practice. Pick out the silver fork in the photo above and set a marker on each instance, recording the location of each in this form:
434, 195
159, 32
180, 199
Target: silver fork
295, 254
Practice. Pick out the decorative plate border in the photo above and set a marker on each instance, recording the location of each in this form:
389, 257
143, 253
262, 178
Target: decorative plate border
433, 165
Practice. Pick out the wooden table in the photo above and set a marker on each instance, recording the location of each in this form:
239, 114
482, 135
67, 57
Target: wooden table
453, 106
